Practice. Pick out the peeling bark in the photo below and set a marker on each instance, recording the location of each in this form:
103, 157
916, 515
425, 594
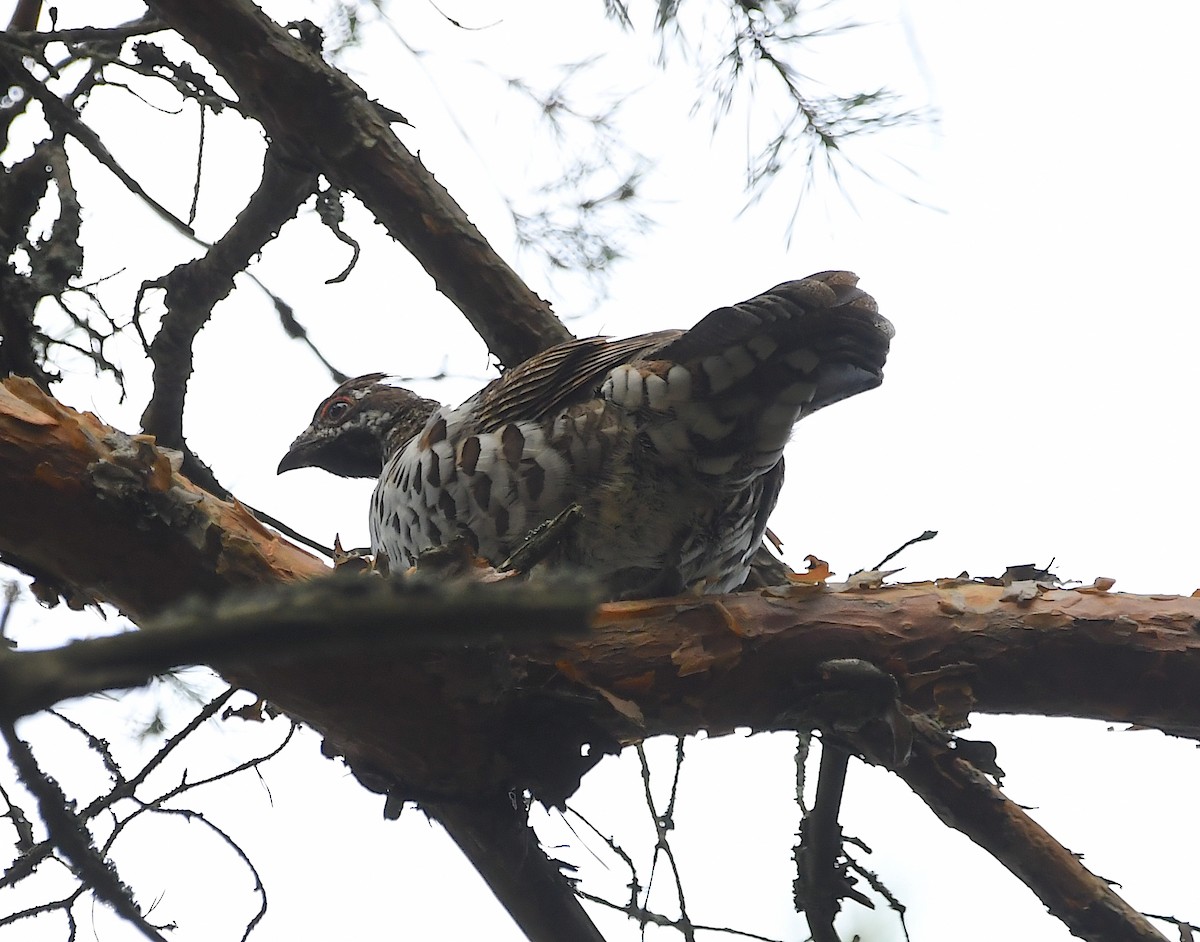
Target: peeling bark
70, 484
954, 647
104, 514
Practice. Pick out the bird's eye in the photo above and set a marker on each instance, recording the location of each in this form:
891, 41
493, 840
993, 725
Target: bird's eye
336, 410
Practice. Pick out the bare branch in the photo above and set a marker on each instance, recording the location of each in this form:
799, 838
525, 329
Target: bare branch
61, 116
35, 854
22, 345
25, 15
966, 799
61, 518
27, 36
193, 288
320, 117
68, 484
820, 877
294, 329
503, 848
642, 916
663, 825
341, 615
72, 838
137, 805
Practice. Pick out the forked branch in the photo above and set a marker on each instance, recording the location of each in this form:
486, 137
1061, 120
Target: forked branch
319, 116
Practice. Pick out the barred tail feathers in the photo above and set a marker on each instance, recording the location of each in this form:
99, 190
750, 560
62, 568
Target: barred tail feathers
723, 396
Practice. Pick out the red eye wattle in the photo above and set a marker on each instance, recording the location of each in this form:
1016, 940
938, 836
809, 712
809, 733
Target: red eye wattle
336, 410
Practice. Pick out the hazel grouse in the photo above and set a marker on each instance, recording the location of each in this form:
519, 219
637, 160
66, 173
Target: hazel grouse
670, 442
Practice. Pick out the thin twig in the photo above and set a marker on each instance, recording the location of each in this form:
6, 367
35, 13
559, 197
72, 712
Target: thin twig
72, 838
60, 115
259, 887
29, 861
663, 824
127, 789
86, 34
642, 915
927, 535
193, 288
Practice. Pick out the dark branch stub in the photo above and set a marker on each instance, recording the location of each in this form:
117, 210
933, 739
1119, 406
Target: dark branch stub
331, 213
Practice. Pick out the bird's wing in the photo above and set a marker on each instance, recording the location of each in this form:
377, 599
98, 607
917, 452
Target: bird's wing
558, 377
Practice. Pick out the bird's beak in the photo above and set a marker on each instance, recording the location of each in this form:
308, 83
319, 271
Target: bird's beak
299, 455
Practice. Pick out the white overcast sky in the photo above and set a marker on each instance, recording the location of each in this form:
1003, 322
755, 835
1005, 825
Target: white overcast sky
1039, 403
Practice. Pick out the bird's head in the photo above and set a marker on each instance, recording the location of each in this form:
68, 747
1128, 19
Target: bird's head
357, 428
